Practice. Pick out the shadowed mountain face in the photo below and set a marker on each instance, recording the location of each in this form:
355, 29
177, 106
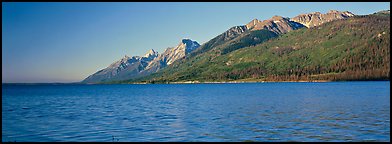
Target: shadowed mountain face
316, 18
228, 35
136, 66
276, 24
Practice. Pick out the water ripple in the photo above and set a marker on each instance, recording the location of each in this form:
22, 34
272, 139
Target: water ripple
333, 112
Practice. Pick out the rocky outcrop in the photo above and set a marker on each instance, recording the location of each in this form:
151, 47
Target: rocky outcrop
317, 18
277, 24
252, 23
170, 55
233, 32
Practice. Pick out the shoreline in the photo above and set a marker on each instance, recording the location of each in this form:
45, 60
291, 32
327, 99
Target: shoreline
198, 82
231, 82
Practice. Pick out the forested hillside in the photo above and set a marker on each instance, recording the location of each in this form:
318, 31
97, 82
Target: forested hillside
357, 48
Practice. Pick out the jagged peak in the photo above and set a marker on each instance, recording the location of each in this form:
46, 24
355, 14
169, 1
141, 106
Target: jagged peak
151, 53
311, 13
125, 58
333, 11
348, 13
119, 62
189, 43
276, 17
317, 18
237, 28
340, 12
252, 23
330, 12
185, 40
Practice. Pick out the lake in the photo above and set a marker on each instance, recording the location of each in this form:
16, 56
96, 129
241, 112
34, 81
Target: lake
277, 111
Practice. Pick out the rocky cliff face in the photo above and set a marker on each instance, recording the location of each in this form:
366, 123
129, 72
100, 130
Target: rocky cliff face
150, 55
277, 24
170, 55
252, 23
281, 25
317, 18
233, 32
124, 68
152, 61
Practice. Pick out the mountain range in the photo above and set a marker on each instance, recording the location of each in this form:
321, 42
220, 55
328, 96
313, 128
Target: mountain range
137, 66
279, 42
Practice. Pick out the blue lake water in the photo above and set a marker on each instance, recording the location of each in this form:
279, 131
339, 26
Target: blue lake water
332, 111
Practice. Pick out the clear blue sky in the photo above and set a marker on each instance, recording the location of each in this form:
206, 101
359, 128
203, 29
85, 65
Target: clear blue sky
66, 42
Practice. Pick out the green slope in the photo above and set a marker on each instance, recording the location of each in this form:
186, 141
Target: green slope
353, 49
201, 59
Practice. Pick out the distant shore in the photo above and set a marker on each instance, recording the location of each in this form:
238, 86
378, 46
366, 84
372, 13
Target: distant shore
228, 82
188, 82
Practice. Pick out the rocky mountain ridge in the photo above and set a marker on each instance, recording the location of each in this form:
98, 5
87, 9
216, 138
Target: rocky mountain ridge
172, 54
235, 38
317, 18
136, 66
339, 50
